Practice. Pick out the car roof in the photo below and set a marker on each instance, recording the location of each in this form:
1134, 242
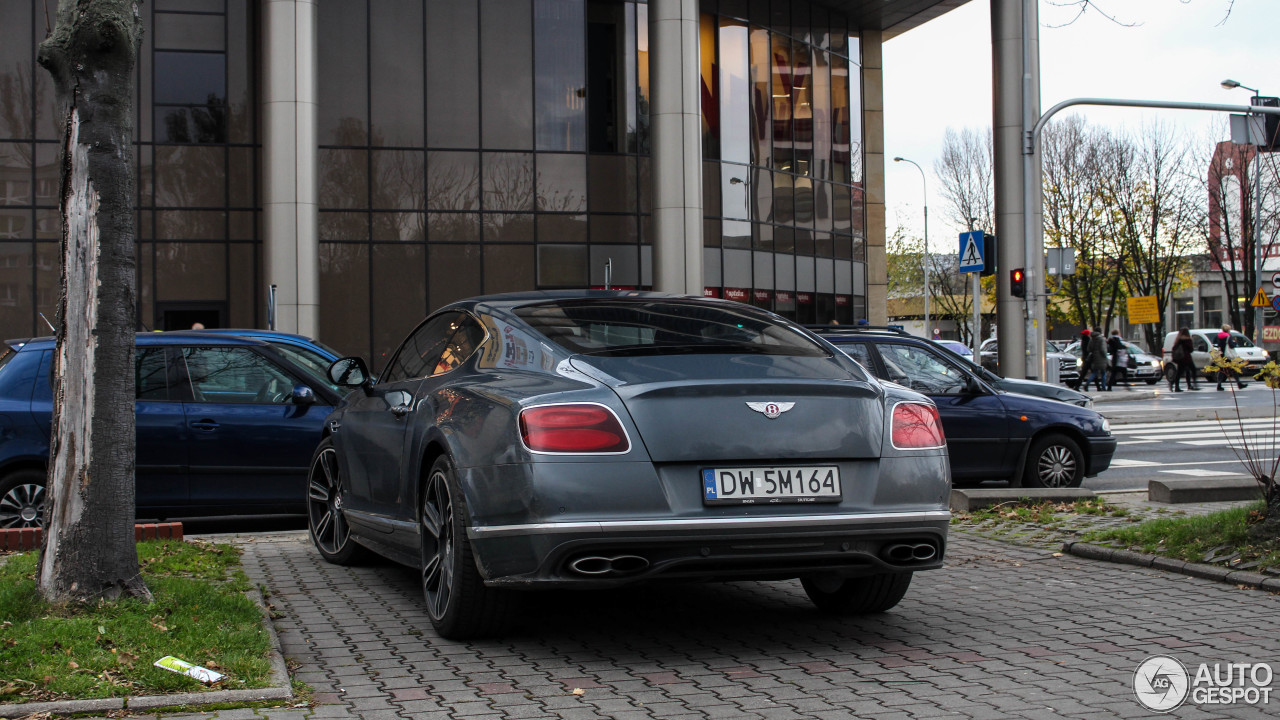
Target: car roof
151, 339
250, 333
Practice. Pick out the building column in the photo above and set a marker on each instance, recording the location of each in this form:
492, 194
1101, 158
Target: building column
289, 163
873, 176
676, 146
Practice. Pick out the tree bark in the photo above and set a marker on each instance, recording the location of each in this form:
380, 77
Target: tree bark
89, 551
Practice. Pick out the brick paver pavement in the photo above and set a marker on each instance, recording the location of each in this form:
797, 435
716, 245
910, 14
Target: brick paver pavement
1002, 631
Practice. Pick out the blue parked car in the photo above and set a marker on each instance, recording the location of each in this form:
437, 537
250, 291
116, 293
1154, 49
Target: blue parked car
225, 426
991, 434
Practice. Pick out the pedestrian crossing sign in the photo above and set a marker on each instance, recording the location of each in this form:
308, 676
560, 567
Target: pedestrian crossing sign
971, 259
1260, 300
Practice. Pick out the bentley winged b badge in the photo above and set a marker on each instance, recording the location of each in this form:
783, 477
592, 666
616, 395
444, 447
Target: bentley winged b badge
771, 410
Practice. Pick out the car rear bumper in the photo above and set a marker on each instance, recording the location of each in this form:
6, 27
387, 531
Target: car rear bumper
1101, 450
611, 553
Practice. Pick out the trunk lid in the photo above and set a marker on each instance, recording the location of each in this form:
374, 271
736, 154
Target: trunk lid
744, 408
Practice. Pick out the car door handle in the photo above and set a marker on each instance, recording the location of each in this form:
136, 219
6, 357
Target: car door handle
204, 425
400, 410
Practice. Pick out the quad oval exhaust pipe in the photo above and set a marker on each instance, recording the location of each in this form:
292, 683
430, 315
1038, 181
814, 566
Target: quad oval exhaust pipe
903, 553
601, 566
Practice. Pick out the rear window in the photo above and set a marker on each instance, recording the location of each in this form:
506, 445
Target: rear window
626, 326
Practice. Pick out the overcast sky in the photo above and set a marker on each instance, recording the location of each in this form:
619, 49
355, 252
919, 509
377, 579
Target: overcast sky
939, 76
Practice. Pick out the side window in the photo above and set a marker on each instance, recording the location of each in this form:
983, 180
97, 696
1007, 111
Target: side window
235, 375
1198, 344
420, 353
860, 352
151, 374
921, 369
464, 342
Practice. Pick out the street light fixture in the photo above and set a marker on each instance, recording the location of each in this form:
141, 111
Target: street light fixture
1230, 84
925, 184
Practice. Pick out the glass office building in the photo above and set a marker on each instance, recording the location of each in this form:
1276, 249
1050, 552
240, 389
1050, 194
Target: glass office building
461, 147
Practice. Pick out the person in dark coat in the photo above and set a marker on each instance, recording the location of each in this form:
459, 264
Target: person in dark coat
1183, 361
1096, 361
1222, 342
1119, 360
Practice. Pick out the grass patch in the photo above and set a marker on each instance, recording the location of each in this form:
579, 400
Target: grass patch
1220, 538
200, 614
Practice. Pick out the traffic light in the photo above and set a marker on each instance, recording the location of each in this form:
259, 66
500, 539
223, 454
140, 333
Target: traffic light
1271, 141
1017, 283
988, 255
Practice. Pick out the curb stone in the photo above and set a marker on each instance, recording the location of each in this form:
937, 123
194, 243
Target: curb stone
1256, 581
280, 688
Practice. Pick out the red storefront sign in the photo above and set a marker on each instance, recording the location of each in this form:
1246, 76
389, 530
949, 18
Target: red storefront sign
711, 292
1271, 333
804, 298
843, 300
737, 294
784, 296
762, 296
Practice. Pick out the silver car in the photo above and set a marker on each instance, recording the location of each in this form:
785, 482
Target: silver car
590, 439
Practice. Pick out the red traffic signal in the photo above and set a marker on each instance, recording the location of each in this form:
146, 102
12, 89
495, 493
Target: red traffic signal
1017, 283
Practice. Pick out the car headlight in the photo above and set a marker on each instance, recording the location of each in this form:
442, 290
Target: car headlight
1079, 362
1106, 426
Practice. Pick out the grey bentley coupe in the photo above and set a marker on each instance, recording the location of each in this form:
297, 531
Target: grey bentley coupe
591, 439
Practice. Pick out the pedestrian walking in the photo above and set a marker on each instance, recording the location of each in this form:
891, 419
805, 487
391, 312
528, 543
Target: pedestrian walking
1183, 362
1223, 343
1096, 360
1119, 360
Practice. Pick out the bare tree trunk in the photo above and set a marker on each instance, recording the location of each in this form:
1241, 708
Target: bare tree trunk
89, 551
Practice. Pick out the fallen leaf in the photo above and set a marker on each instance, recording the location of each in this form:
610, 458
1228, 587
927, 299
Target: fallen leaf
579, 691
1057, 554
73, 664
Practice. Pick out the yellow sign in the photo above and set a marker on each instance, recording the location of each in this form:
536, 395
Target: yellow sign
1144, 309
1260, 300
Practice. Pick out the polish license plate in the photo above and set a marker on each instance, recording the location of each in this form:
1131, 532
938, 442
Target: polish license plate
770, 485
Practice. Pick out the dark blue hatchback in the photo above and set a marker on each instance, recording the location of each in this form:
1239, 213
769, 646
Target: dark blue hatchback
991, 434
225, 426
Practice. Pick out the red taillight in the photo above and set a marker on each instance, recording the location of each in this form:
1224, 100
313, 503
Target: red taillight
916, 426
572, 429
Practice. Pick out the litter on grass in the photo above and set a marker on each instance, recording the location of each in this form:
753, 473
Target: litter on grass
182, 667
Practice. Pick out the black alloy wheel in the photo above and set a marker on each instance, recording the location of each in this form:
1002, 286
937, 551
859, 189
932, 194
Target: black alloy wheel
328, 527
22, 500
437, 543
458, 603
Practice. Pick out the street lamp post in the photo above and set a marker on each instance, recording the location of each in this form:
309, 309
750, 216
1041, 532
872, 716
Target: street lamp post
1256, 230
924, 183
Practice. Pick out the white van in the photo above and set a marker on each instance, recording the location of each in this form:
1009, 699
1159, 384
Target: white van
1203, 340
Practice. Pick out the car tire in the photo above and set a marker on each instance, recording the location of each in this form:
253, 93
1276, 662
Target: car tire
22, 494
326, 523
857, 596
1055, 461
458, 603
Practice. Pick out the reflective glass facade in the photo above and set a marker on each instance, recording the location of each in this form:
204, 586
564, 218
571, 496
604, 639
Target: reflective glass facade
782, 149
196, 157
465, 146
